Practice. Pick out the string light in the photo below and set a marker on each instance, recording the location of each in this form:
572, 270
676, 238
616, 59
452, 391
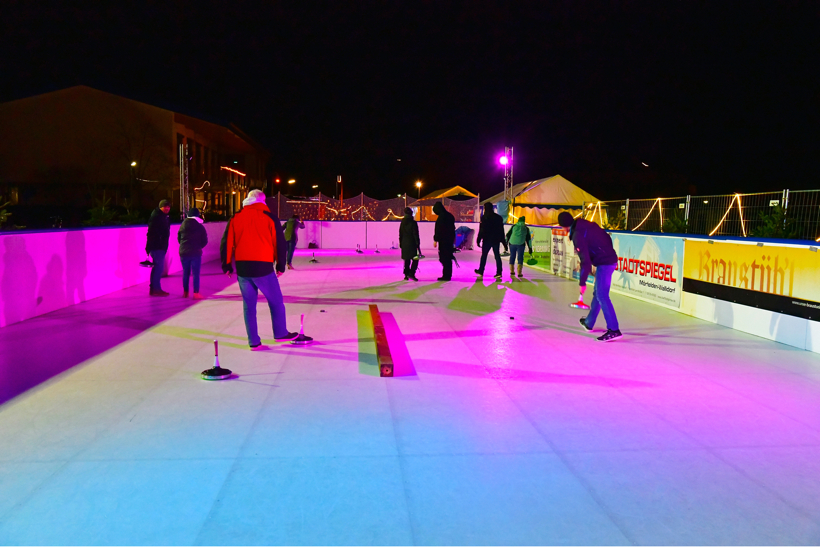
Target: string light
240, 173
657, 201
740, 211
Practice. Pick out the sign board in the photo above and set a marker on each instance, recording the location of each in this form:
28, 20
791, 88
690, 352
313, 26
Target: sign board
649, 268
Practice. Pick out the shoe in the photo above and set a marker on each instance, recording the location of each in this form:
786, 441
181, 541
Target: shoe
290, 266
198, 296
583, 322
520, 270
259, 347
443, 279
499, 275
414, 278
479, 272
610, 335
406, 278
288, 337
184, 294
158, 292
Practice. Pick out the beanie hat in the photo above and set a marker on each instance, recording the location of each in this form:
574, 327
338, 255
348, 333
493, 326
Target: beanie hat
164, 203
254, 196
565, 219
193, 212
408, 211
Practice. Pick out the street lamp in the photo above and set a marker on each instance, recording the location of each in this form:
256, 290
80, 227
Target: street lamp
418, 185
131, 188
292, 181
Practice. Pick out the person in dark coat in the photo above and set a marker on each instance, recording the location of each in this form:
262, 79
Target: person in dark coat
159, 232
192, 238
445, 238
491, 233
594, 248
292, 236
409, 242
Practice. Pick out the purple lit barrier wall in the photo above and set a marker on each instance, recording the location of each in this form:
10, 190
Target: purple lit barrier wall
347, 234
46, 271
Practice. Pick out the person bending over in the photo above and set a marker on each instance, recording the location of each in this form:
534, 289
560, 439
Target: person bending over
445, 238
594, 248
254, 240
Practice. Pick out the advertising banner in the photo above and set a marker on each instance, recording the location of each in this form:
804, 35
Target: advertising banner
649, 267
541, 246
564, 260
779, 279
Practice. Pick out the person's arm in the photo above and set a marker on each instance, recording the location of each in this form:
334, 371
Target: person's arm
301, 224
204, 233
580, 243
226, 249
529, 240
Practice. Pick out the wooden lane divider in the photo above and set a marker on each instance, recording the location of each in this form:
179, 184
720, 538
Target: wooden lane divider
382, 348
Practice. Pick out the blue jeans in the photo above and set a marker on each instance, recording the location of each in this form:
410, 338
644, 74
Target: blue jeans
516, 250
158, 258
291, 249
269, 285
190, 264
600, 298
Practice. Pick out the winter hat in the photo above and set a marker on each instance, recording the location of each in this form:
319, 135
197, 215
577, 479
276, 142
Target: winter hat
408, 211
164, 203
254, 196
193, 212
565, 219
489, 208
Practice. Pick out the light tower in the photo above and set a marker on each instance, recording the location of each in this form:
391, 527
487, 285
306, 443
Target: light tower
507, 162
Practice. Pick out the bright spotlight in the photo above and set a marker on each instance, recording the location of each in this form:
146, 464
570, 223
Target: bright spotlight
503, 160
292, 181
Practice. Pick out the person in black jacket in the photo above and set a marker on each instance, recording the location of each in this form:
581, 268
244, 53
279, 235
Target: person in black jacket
409, 243
445, 238
192, 238
491, 232
594, 248
159, 232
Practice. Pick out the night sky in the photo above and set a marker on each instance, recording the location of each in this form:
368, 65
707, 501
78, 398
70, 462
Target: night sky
715, 97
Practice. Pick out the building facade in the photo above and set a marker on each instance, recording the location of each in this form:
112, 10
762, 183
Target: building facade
77, 146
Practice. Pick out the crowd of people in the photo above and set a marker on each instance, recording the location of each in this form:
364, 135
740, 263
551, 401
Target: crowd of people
261, 249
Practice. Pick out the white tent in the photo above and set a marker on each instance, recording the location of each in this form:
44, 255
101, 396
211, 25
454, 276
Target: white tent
540, 201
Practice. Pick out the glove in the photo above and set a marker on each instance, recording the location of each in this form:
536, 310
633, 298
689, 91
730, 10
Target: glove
227, 268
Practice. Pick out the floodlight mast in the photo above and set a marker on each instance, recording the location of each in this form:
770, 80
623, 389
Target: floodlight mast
507, 161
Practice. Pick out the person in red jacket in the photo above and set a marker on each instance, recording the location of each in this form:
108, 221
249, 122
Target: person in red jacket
255, 242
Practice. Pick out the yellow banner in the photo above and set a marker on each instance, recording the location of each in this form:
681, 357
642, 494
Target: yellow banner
786, 271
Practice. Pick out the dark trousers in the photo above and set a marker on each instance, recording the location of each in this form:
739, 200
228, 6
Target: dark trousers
291, 249
445, 256
190, 264
485, 250
158, 258
410, 267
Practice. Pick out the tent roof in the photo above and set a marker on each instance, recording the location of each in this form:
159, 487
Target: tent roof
448, 192
555, 190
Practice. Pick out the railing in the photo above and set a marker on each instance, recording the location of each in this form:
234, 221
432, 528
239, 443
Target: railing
785, 214
361, 207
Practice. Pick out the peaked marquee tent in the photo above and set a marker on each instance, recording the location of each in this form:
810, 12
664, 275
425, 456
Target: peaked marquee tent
542, 200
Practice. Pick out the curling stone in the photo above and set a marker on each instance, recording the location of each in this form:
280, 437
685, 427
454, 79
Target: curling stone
302, 340
359, 249
313, 260
580, 304
377, 250
216, 372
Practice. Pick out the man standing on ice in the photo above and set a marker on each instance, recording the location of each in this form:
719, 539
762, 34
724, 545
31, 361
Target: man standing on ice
445, 238
254, 240
594, 248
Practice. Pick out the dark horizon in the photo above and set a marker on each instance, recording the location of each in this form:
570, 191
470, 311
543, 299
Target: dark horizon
713, 99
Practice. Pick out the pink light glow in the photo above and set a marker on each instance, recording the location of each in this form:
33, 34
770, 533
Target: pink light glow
503, 160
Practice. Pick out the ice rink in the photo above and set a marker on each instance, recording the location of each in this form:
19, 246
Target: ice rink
507, 423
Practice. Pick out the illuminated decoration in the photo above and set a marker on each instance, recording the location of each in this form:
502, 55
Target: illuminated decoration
292, 181
503, 160
660, 209
203, 186
595, 207
240, 173
391, 213
740, 212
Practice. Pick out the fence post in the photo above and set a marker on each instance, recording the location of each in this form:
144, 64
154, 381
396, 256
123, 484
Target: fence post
785, 200
686, 213
626, 217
